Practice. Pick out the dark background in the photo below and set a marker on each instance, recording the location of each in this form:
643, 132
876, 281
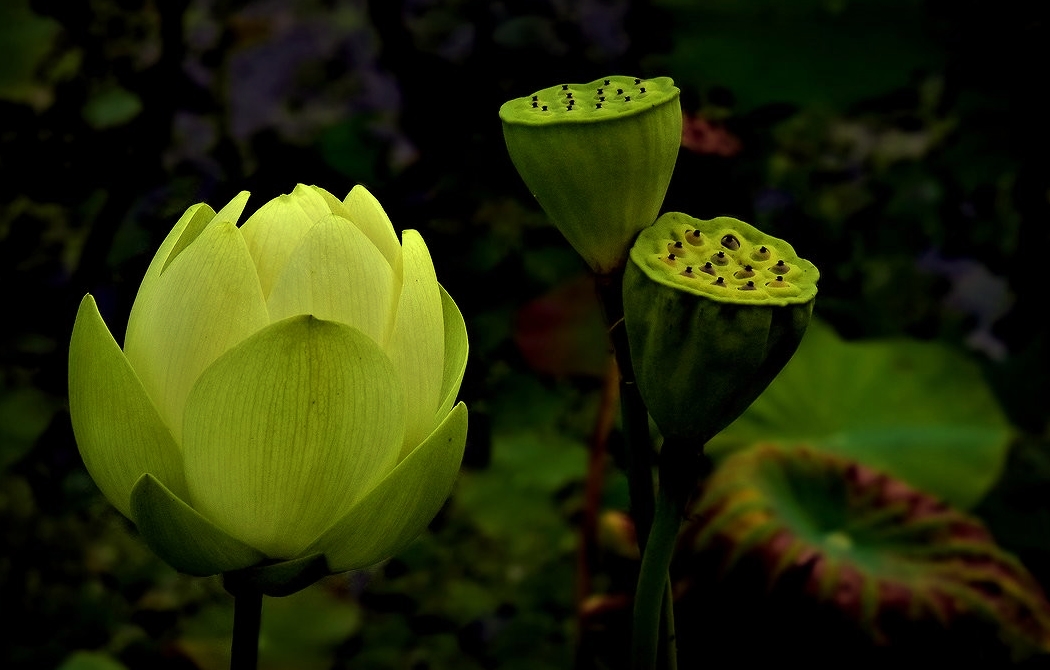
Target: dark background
900, 145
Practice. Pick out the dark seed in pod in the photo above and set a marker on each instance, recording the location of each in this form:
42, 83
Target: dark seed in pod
730, 242
760, 254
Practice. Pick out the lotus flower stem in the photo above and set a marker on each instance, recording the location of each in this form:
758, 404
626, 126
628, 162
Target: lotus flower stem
247, 615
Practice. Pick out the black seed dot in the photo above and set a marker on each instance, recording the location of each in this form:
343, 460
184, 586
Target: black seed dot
569, 94
689, 268
599, 91
535, 98
677, 245
719, 281
730, 242
721, 254
602, 98
626, 98
696, 233
641, 90
637, 81
780, 278
606, 82
535, 104
598, 105
670, 257
708, 268
544, 108
747, 268
568, 108
565, 87
619, 91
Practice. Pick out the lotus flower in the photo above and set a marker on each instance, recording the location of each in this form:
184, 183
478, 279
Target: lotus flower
285, 397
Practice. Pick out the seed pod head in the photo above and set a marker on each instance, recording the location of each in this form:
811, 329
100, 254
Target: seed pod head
598, 158
711, 322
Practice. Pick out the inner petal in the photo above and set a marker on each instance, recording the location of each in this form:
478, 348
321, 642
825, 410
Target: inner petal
337, 274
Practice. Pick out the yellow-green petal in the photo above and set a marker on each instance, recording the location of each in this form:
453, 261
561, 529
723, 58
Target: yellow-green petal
334, 204
278, 227
397, 510
231, 212
277, 579
337, 274
368, 215
456, 350
312, 201
117, 428
183, 538
290, 428
417, 345
207, 300
189, 226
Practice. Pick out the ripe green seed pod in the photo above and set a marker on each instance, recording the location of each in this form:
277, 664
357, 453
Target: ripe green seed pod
705, 348
598, 157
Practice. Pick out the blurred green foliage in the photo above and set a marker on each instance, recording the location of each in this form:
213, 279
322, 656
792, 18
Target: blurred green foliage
899, 145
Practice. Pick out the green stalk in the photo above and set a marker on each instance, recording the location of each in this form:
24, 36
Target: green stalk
247, 616
667, 628
639, 465
652, 599
633, 411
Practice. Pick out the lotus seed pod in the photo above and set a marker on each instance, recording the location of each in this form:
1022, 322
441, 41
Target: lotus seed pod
598, 158
711, 323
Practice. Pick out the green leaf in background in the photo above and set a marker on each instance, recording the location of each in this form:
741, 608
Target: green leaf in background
896, 561
24, 414
918, 411
111, 106
805, 52
534, 457
25, 40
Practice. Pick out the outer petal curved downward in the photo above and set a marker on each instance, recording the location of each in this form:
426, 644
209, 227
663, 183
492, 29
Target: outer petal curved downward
206, 301
417, 345
392, 514
183, 538
288, 429
118, 430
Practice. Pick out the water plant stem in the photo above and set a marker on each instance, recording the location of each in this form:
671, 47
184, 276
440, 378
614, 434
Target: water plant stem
247, 615
652, 599
639, 467
667, 631
635, 416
